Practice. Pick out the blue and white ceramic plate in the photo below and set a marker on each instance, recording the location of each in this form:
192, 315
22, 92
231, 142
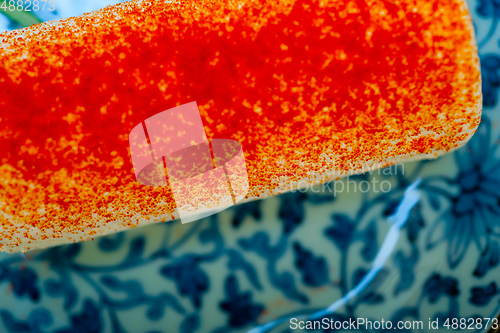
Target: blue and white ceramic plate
421, 252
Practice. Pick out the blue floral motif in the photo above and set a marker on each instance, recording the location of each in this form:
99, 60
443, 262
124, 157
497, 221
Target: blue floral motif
190, 279
36, 320
416, 222
490, 64
89, 320
284, 281
473, 214
237, 261
490, 258
369, 238
63, 287
244, 210
24, 281
314, 269
62, 256
222, 275
488, 8
190, 324
133, 289
406, 266
111, 242
483, 295
292, 210
437, 286
239, 306
369, 294
342, 233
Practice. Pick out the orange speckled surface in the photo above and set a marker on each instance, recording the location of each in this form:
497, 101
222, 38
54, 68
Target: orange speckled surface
305, 86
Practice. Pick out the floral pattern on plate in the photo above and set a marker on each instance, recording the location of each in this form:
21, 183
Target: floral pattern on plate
311, 255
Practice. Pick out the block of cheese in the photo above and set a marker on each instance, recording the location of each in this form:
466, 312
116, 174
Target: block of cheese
313, 90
